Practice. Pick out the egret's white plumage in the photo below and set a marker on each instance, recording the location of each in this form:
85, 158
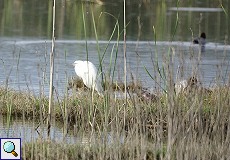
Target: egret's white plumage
88, 72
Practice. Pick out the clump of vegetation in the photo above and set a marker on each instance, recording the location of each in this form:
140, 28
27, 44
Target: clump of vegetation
76, 83
20, 103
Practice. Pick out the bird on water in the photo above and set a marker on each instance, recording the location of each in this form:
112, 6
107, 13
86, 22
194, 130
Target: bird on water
201, 41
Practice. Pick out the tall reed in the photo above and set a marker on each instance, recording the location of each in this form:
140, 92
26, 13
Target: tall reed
51, 89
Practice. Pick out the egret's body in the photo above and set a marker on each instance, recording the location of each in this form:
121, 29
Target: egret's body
88, 72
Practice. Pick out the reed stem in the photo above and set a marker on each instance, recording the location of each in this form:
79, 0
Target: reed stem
125, 61
51, 74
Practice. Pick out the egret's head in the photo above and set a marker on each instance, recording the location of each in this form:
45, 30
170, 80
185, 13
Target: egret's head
77, 63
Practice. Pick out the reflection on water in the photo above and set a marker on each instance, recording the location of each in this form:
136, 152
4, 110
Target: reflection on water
33, 19
30, 131
196, 9
27, 131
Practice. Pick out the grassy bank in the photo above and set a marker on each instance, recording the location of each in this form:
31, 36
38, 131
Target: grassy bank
80, 107
195, 125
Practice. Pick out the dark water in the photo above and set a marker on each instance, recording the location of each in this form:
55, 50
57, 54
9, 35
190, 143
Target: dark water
26, 29
31, 131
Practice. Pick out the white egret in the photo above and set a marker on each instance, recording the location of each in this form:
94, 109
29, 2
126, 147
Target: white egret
88, 72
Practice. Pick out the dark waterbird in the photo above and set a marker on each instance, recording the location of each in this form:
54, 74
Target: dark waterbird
201, 41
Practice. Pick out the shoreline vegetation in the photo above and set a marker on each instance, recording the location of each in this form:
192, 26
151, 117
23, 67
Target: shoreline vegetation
23, 102
200, 123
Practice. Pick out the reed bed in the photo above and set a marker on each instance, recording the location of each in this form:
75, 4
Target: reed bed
199, 125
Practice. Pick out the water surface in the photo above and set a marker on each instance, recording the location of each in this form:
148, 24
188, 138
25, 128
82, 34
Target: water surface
26, 29
32, 131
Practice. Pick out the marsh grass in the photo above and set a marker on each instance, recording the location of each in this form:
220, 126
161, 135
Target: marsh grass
52, 150
200, 126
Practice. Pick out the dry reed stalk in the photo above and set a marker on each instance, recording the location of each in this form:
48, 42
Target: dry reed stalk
51, 74
125, 58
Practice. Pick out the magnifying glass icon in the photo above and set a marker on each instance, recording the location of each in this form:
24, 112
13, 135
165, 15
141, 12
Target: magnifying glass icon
9, 147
